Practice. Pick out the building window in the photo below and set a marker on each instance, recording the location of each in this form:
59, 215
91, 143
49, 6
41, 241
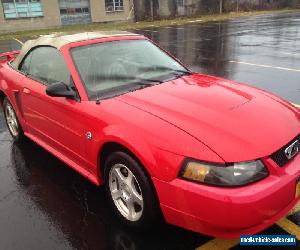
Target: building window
74, 11
114, 5
74, 7
22, 8
180, 3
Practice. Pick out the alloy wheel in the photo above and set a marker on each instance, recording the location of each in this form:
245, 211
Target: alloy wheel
11, 120
126, 192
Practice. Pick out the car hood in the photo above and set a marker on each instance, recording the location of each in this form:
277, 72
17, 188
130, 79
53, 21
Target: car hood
236, 121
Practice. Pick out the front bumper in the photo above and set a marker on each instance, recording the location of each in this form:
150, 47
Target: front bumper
230, 212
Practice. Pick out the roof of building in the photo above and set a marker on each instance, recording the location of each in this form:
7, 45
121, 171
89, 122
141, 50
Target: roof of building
58, 40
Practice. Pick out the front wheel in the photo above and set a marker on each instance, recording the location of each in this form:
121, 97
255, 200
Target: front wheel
130, 191
12, 122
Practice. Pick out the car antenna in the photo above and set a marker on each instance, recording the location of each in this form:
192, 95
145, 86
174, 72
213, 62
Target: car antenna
98, 102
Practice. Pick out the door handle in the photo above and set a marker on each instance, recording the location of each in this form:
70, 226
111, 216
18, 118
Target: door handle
26, 91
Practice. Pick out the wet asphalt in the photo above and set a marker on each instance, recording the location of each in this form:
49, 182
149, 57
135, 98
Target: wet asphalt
46, 205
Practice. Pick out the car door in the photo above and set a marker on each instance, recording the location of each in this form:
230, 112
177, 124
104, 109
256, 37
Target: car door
53, 121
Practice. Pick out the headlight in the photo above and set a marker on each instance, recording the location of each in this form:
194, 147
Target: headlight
236, 174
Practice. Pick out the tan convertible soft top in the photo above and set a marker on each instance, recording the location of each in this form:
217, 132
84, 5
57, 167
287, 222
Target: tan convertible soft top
58, 40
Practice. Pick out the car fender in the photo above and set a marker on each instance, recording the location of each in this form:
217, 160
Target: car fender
6, 91
155, 160
10, 95
130, 140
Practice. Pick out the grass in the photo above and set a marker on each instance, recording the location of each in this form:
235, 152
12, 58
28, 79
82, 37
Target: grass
138, 25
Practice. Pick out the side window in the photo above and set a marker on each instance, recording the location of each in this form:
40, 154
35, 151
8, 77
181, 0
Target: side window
26, 64
47, 65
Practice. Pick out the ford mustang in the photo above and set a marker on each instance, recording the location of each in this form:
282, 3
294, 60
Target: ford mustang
203, 153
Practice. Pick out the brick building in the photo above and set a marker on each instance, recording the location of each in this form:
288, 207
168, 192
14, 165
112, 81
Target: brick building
38, 14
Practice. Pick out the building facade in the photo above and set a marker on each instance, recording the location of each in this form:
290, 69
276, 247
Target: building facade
38, 14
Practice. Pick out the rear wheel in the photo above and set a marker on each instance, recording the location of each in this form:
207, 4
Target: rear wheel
12, 122
130, 192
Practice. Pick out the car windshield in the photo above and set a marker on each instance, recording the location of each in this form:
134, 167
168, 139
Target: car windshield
112, 68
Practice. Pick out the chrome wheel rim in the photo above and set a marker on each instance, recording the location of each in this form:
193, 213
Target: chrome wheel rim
11, 120
126, 192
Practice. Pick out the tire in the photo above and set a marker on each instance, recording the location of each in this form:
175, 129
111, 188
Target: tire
12, 121
137, 194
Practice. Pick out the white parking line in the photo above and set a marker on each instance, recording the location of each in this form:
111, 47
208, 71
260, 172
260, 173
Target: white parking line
17, 40
291, 54
265, 66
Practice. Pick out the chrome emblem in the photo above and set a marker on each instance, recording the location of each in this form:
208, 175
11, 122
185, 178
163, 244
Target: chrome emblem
89, 136
292, 150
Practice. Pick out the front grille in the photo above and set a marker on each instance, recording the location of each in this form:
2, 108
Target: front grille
279, 156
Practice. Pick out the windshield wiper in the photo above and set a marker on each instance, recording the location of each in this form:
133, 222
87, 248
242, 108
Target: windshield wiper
183, 71
132, 79
143, 82
177, 70
146, 81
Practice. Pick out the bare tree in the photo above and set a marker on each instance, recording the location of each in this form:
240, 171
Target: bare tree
172, 7
221, 6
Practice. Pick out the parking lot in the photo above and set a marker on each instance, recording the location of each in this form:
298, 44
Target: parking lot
46, 205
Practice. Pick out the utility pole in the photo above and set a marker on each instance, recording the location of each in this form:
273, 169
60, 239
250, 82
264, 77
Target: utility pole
221, 6
151, 9
132, 12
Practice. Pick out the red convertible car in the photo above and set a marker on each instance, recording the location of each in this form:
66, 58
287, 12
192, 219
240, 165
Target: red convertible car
204, 153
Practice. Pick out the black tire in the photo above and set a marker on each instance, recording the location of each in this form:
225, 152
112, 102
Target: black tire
18, 135
151, 213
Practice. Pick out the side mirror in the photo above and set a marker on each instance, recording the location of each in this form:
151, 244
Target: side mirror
60, 90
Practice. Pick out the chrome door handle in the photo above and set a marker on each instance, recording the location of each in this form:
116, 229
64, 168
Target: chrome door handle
26, 91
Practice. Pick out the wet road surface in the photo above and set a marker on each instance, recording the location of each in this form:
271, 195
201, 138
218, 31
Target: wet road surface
46, 205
